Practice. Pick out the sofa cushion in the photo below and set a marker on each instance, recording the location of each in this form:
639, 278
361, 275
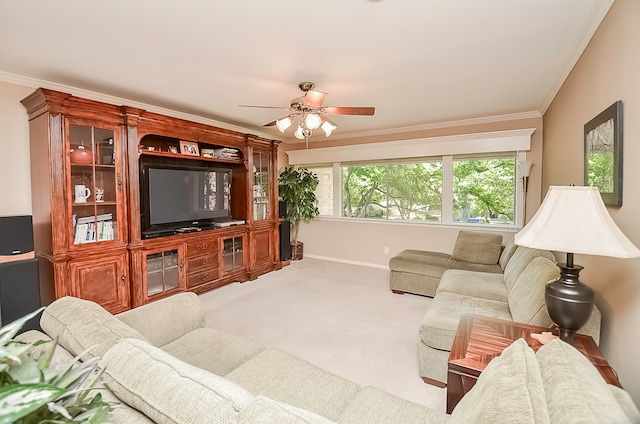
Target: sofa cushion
519, 261
484, 285
477, 247
264, 410
157, 322
81, 324
509, 390
526, 298
626, 403
168, 390
433, 264
440, 322
575, 390
421, 262
213, 350
507, 253
373, 406
286, 378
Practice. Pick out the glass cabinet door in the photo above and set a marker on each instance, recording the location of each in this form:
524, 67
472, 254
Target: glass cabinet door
232, 254
93, 184
261, 172
162, 272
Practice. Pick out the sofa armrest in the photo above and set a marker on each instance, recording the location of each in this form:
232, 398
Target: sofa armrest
166, 320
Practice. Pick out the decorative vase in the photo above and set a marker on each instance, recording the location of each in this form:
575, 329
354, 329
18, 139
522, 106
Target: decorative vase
296, 251
81, 156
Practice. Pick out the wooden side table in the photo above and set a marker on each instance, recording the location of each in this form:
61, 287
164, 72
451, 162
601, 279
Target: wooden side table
479, 339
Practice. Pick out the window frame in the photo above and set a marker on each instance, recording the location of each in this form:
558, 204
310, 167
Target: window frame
447, 188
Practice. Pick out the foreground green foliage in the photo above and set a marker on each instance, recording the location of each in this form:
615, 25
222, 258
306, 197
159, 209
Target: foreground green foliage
33, 390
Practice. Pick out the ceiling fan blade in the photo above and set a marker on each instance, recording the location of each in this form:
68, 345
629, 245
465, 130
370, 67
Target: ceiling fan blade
364, 111
314, 98
266, 107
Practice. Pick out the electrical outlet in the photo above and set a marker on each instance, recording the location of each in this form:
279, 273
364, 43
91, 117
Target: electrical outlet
386, 250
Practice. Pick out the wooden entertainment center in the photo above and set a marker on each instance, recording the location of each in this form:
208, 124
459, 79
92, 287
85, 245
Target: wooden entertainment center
86, 160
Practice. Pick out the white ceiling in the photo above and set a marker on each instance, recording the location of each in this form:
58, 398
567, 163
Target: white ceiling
419, 62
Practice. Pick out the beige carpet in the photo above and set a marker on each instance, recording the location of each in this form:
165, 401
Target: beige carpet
340, 317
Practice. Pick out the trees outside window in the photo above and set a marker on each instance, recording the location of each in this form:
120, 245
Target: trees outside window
480, 190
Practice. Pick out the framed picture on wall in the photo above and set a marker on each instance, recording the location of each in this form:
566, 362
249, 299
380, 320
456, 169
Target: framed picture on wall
603, 154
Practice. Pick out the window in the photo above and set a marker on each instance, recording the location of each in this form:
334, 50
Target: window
447, 189
484, 191
411, 191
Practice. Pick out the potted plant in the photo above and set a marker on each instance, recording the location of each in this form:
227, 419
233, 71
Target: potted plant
297, 187
35, 390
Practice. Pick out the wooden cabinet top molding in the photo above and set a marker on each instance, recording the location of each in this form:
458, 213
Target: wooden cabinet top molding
44, 100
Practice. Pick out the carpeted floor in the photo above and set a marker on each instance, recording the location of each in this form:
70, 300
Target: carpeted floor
340, 317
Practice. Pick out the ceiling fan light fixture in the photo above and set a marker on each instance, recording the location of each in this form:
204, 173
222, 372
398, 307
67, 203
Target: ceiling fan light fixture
328, 128
299, 134
312, 121
283, 124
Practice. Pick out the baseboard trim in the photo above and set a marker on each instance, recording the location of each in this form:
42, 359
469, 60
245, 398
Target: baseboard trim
346, 261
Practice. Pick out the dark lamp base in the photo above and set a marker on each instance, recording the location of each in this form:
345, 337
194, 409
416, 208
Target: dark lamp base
569, 302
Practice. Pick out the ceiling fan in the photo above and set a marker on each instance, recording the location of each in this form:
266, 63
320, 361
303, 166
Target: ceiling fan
310, 114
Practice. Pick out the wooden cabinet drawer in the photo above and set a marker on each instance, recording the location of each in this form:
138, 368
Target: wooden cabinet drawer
195, 248
194, 280
202, 263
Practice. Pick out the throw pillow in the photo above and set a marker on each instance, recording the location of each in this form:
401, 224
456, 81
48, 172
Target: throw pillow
477, 247
576, 392
509, 390
168, 390
81, 324
507, 253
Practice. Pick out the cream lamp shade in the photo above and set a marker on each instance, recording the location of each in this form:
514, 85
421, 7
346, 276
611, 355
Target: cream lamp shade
574, 219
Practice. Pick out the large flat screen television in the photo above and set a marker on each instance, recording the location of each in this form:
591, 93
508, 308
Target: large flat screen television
176, 197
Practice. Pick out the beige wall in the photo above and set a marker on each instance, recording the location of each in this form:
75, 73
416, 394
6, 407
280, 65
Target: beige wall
365, 241
609, 70
15, 189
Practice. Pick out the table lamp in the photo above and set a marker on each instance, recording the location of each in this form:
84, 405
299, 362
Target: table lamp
573, 220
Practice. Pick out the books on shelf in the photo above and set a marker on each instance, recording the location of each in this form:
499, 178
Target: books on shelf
226, 153
90, 229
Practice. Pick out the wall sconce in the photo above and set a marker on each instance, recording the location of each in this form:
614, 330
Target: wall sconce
525, 169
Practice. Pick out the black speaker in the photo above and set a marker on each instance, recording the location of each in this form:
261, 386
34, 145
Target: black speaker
19, 292
282, 209
16, 235
285, 241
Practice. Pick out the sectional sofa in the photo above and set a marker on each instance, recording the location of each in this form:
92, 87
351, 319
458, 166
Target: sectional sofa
162, 364
480, 277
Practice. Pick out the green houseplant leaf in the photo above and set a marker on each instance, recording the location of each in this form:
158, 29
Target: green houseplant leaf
18, 400
33, 390
297, 187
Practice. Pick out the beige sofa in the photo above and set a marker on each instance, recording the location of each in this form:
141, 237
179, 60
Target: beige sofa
164, 365
517, 294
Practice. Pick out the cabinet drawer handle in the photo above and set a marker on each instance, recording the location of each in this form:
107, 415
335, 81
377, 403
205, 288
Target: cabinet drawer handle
203, 261
204, 277
203, 246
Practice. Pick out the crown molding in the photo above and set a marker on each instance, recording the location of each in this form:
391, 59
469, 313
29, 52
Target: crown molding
92, 95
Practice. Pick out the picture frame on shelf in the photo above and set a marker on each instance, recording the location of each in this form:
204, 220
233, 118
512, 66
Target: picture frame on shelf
603, 154
189, 148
